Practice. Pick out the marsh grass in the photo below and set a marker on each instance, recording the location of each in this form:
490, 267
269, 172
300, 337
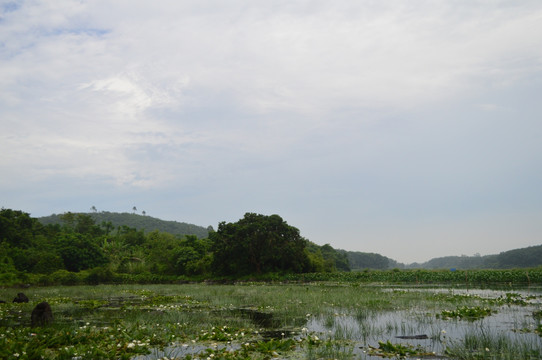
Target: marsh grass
320, 320
484, 345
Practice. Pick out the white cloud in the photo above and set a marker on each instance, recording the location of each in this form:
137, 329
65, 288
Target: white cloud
397, 95
131, 95
287, 58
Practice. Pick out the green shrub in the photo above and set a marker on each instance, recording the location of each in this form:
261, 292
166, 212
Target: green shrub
100, 275
60, 277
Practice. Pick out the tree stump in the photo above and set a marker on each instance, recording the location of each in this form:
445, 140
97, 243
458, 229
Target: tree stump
20, 298
42, 314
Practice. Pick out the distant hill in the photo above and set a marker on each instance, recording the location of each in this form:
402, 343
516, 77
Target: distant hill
139, 222
458, 262
517, 258
362, 260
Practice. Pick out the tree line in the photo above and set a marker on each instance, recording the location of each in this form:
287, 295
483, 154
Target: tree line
255, 245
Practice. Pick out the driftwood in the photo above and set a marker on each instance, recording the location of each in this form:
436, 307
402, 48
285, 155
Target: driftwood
416, 337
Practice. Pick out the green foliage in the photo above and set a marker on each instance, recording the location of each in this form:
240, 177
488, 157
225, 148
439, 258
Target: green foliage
326, 259
362, 260
47, 262
526, 257
79, 252
64, 277
472, 277
258, 244
130, 236
197, 321
466, 313
110, 220
517, 258
387, 349
74, 250
7, 269
17, 228
193, 256
100, 275
274, 346
161, 248
317, 263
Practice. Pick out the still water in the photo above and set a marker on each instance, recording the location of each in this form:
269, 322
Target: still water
422, 326
418, 326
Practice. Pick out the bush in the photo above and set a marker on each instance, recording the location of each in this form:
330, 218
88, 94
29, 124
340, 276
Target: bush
60, 277
100, 275
8, 279
48, 263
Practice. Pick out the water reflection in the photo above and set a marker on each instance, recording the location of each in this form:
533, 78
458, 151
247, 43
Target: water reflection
362, 328
423, 328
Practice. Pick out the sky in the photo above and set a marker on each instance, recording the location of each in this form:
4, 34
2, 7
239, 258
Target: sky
411, 129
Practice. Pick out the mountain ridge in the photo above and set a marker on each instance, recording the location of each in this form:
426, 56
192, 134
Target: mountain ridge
138, 222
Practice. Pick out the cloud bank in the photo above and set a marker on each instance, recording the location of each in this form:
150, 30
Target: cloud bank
410, 129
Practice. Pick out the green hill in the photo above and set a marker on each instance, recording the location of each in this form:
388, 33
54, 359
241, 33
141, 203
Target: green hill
517, 258
139, 222
362, 260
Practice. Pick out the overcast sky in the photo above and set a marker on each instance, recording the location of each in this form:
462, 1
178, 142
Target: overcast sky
412, 129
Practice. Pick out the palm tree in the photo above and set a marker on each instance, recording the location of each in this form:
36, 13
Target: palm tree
135, 209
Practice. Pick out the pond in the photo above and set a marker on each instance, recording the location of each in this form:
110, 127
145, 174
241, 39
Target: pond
422, 328
285, 321
421, 331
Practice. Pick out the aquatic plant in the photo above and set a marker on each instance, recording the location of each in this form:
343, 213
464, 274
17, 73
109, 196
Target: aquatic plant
481, 344
199, 320
387, 349
466, 313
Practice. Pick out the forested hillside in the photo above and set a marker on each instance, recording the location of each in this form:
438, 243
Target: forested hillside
362, 260
516, 258
77, 249
136, 221
99, 247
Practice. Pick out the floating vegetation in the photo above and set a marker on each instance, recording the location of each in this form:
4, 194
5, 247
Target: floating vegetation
389, 350
249, 321
466, 313
514, 299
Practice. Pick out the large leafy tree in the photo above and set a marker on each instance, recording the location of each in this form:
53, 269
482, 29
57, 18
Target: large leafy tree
17, 228
192, 257
79, 251
258, 244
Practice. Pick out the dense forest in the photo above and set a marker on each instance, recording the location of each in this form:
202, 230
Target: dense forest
101, 247
77, 247
342, 260
361, 260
